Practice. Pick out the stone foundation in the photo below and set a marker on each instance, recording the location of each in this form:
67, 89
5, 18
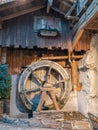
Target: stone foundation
88, 68
49, 120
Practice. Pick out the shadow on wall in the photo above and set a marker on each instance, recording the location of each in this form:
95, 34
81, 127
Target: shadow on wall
19, 103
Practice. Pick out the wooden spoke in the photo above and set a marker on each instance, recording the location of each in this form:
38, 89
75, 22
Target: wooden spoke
32, 90
36, 79
47, 74
58, 82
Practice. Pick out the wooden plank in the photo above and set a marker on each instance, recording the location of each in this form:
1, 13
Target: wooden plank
84, 42
80, 6
22, 34
92, 28
65, 3
49, 4
19, 13
76, 39
75, 76
71, 9
7, 36
61, 57
8, 59
18, 31
91, 20
72, 18
86, 3
4, 56
48, 7
58, 10
87, 17
0, 54
1, 23
0, 37
1, 26
14, 4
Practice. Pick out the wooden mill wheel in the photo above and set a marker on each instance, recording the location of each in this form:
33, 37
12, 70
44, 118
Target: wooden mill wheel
39, 75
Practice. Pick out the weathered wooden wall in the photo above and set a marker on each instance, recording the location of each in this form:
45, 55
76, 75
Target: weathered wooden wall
84, 42
21, 45
18, 57
19, 32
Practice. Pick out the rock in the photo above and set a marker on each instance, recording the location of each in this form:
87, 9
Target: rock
21, 122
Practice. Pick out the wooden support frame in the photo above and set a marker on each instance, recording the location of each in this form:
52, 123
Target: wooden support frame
87, 17
62, 57
75, 76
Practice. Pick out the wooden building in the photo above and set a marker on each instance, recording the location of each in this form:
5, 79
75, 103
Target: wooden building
20, 43
59, 30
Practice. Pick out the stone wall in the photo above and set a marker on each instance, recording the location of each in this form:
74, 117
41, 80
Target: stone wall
14, 110
88, 70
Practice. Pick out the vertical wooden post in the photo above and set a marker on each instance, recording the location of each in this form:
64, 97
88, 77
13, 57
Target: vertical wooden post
75, 76
1, 23
4, 56
0, 55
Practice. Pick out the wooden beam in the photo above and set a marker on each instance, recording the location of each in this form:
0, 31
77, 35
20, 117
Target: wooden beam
1, 23
0, 54
71, 9
92, 28
49, 4
57, 10
72, 18
0, 26
77, 38
65, 3
4, 55
14, 4
61, 57
19, 13
48, 7
75, 76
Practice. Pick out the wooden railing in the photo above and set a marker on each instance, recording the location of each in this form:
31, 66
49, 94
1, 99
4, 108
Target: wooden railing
91, 10
5, 1
82, 5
